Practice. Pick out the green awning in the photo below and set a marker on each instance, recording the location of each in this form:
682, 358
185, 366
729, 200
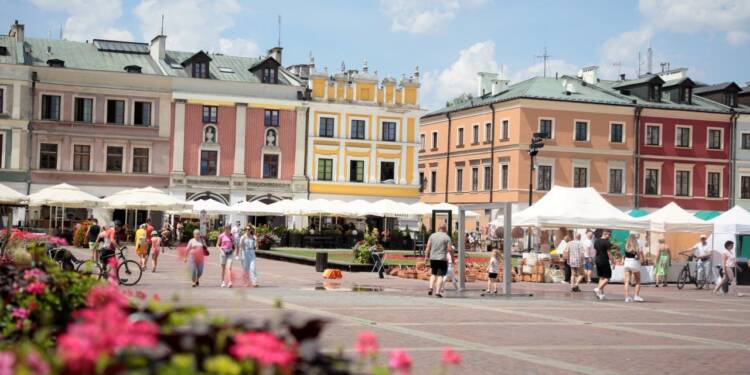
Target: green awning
637, 212
707, 215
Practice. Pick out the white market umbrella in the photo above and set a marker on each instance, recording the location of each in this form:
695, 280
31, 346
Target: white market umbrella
147, 198
420, 209
64, 195
453, 208
211, 207
254, 208
387, 208
327, 207
735, 221
672, 218
11, 197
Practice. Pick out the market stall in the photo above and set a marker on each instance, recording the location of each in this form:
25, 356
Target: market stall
732, 225
9, 199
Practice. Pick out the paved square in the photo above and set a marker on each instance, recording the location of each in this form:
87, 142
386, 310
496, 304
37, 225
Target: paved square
554, 332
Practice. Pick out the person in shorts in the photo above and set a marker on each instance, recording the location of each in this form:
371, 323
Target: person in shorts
573, 255
632, 268
92, 233
438, 246
603, 267
227, 250
588, 254
492, 269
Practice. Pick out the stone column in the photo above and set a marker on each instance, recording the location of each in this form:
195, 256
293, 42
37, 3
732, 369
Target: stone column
178, 140
239, 140
299, 181
15, 153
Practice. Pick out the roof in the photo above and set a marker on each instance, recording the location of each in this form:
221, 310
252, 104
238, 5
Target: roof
679, 82
10, 44
545, 88
717, 87
639, 81
699, 103
222, 67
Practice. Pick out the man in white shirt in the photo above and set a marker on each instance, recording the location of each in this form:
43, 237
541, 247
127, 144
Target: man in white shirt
588, 254
237, 233
702, 251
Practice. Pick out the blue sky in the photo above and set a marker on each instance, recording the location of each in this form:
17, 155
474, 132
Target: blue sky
450, 40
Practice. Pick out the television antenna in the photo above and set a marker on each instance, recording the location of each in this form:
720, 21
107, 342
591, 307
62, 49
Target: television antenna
545, 58
618, 64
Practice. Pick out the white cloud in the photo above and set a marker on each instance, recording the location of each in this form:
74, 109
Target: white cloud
239, 47
694, 16
737, 37
461, 76
423, 16
619, 54
84, 23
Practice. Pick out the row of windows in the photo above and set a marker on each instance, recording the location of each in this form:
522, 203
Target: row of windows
211, 116
682, 183
83, 110
115, 155
684, 137
209, 164
358, 129
357, 171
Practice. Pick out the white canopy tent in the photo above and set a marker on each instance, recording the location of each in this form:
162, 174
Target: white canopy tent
255, 208
147, 198
672, 218
9, 196
575, 207
211, 207
453, 208
727, 227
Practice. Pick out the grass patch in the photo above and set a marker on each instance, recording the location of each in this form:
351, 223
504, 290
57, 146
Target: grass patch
393, 257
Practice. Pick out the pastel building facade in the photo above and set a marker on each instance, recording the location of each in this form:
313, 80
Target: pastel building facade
362, 136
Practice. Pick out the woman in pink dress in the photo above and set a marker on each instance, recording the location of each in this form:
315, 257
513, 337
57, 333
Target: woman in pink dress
155, 249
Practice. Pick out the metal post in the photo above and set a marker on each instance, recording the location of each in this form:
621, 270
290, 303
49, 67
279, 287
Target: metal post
461, 250
507, 244
531, 179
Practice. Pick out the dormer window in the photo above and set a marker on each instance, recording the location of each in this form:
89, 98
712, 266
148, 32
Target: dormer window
266, 70
270, 75
200, 70
654, 93
133, 69
197, 65
731, 99
56, 63
686, 95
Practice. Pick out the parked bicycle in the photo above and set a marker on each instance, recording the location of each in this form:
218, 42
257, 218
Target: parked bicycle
128, 271
691, 276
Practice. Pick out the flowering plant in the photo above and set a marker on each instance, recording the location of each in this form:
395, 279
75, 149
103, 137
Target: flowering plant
399, 361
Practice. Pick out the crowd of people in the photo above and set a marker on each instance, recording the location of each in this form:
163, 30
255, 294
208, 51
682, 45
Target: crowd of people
233, 245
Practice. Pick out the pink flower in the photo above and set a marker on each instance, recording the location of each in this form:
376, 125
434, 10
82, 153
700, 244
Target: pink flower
7, 360
113, 279
102, 295
20, 313
400, 361
156, 297
140, 294
36, 287
33, 273
263, 347
450, 357
367, 344
36, 364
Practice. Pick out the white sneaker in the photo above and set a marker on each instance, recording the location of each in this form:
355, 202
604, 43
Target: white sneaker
638, 299
628, 299
602, 297
223, 284
597, 293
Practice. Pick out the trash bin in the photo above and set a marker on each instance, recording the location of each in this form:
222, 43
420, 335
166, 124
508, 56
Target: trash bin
321, 261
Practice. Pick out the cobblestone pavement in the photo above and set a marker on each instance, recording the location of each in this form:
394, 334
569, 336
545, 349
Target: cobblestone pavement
552, 332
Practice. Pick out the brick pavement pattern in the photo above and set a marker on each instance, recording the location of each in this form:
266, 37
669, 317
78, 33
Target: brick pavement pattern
553, 332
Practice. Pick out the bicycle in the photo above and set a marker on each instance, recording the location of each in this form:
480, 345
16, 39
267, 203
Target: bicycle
687, 276
128, 271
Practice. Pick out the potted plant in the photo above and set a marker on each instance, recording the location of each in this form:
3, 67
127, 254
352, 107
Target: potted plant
212, 237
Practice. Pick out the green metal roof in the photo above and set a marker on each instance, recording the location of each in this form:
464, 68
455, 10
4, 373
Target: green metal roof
11, 45
699, 104
634, 82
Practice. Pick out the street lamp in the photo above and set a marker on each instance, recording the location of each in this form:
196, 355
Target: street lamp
537, 142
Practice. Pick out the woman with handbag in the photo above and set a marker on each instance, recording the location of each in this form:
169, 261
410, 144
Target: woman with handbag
633, 256
196, 252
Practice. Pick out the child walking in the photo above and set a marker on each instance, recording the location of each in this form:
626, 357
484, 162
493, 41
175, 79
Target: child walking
492, 269
451, 273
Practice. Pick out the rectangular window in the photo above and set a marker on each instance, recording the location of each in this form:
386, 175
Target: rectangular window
745, 187
746, 141
47, 156
615, 181
84, 110
459, 180
506, 129
421, 142
433, 181
544, 177
209, 162
114, 158
115, 111
682, 137
200, 70
653, 135
326, 127
325, 169
142, 114
387, 171
682, 184
474, 179
140, 159
475, 134
652, 182
389, 131
269, 75
210, 114
488, 132
357, 171
271, 117
504, 177
82, 158
580, 177
434, 140
358, 129
713, 185
615, 133
714, 139
487, 178
51, 107
545, 127
421, 182
270, 166
582, 131
460, 137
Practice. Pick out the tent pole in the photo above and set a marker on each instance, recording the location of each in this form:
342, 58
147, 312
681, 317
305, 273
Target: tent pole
461, 250
507, 244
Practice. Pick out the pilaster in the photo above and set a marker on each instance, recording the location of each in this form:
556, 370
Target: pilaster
239, 140
178, 146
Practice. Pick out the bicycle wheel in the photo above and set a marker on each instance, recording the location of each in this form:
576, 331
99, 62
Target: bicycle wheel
89, 268
683, 279
129, 272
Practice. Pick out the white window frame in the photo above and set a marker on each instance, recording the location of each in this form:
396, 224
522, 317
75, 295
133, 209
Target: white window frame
720, 171
271, 152
739, 190
398, 130
126, 108
721, 144
318, 118
486, 177
588, 130
580, 164
621, 166
73, 144
334, 165
433, 191
456, 179
539, 126
73, 109
153, 113
661, 135
683, 168
460, 136
150, 157
125, 161
39, 154
367, 127
213, 147
434, 140
742, 134
475, 167
365, 171
50, 93
609, 138
545, 162
690, 139
659, 175
396, 170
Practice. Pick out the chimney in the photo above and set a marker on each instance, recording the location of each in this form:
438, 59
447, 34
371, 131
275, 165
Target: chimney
589, 74
158, 47
622, 77
275, 52
16, 31
499, 85
485, 82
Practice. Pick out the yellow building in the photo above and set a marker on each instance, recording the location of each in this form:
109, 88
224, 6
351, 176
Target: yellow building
362, 136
